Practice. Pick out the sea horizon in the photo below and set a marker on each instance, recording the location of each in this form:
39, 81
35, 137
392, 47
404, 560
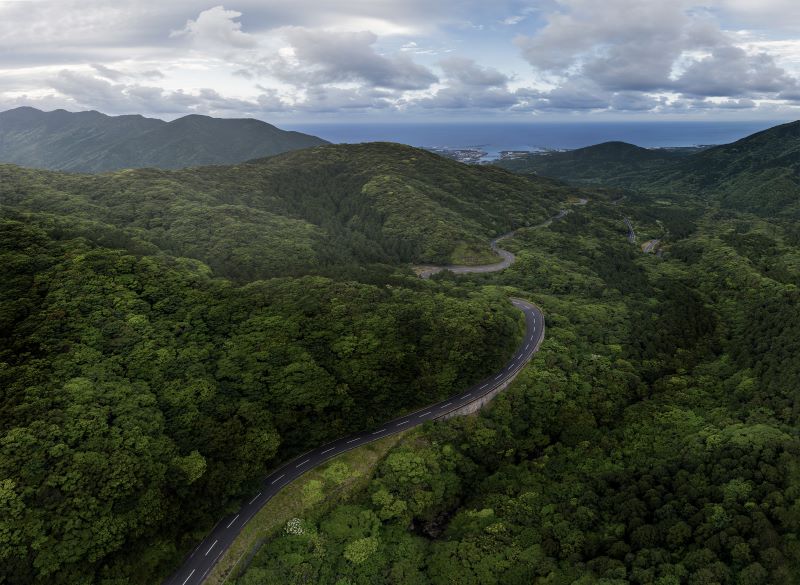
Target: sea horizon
494, 137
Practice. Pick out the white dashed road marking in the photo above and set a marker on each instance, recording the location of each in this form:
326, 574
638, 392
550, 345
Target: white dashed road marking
231, 522
210, 547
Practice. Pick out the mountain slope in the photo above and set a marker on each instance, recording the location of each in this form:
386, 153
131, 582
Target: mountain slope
303, 211
600, 163
142, 395
140, 398
94, 142
759, 173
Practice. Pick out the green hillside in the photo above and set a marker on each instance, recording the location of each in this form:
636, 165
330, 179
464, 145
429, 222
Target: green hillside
142, 393
166, 337
310, 210
607, 163
759, 173
94, 142
652, 440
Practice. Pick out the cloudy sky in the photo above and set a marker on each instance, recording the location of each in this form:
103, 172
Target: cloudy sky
316, 60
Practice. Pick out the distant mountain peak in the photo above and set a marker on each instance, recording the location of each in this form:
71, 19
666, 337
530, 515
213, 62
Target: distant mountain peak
92, 141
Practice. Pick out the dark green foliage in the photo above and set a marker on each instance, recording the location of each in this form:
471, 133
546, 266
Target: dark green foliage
140, 396
306, 211
652, 441
757, 174
94, 142
607, 163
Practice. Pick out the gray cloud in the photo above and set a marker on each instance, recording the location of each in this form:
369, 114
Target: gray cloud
469, 86
380, 55
730, 71
467, 72
626, 46
333, 99
323, 57
90, 91
456, 98
632, 101
574, 94
108, 72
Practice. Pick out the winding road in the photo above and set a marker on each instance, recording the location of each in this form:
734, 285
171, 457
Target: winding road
199, 563
506, 258
631, 233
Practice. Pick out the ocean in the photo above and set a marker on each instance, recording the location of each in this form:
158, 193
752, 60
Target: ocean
495, 137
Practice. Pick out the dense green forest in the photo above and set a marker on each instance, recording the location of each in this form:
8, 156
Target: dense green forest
168, 337
757, 174
608, 163
93, 142
652, 440
141, 395
321, 210
171, 335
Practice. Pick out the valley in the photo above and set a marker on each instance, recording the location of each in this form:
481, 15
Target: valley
399, 293
170, 336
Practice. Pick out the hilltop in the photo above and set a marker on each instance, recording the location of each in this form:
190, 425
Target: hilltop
141, 380
94, 142
759, 173
600, 163
299, 212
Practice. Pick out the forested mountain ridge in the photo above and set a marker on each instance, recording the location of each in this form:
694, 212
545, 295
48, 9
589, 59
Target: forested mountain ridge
140, 396
759, 173
607, 163
652, 441
93, 142
142, 391
300, 212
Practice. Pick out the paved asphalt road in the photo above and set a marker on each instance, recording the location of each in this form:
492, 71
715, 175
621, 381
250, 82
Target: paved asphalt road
649, 246
631, 233
506, 257
204, 557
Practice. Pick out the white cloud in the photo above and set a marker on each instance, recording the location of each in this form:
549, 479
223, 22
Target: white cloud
217, 26
512, 20
284, 56
617, 49
324, 57
731, 71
